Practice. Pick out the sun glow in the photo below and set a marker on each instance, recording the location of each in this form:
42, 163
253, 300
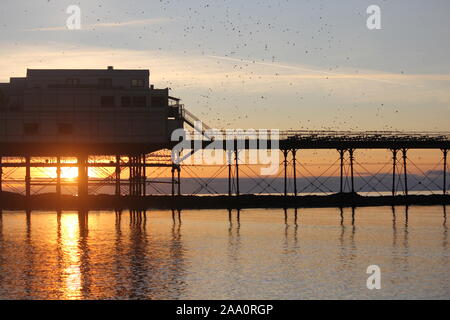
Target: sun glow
69, 173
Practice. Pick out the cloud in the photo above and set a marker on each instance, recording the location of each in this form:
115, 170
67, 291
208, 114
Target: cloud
309, 72
88, 27
226, 92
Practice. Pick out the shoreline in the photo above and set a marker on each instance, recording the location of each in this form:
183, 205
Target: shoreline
12, 201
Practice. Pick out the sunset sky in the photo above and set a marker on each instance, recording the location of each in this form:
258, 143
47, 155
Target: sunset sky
255, 64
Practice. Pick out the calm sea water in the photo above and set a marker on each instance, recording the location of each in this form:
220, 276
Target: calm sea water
210, 254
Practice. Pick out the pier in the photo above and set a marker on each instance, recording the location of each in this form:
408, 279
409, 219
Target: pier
131, 175
116, 124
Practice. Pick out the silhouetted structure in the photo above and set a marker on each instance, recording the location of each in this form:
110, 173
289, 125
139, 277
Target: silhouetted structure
78, 113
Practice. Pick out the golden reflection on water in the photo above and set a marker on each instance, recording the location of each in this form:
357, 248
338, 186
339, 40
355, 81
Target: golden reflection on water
219, 254
69, 246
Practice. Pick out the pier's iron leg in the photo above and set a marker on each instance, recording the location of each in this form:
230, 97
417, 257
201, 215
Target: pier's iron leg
179, 180
139, 177
350, 151
131, 175
444, 183
394, 165
27, 176
117, 191
294, 164
405, 172
236, 158
173, 180
82, 176
58, 176
229, 177
144, 176
341, 181
1, 174
285, 154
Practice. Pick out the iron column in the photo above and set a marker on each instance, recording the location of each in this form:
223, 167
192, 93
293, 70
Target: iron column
236, 157
117, 175
27, 176
1, 174
294, 162
350, 151
229, 178
444, 186
82, 176
285, 154
173, 180
179, 180
131, 175
341, 157
405, 171
144, 177
394, 165
58, 175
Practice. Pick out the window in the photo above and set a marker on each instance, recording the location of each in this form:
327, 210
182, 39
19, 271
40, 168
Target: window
139, 101
126, 102
158, 101
105, 82
72, 81
107, 101
137, 83
31, 129
65, 128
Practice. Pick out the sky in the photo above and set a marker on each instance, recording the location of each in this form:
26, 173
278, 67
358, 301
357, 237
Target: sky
255, 64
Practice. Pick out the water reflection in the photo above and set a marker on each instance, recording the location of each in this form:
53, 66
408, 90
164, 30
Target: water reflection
234, 242
141, 254
347, 245
287, 247
29, 257
138, 218
445, 259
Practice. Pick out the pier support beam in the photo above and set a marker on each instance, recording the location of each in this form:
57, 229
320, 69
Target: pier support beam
233, 181
229, 173
179, 180
173, 180
1, 174
341, 181
236, 158
352, 179
144, 176
82, 176
405, 172
444, 183
131, 176
58, 176
117, 176
27, 176
285, 155
139, 175
394, 165
294, 167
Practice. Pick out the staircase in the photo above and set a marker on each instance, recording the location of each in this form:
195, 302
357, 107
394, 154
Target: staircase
190, 119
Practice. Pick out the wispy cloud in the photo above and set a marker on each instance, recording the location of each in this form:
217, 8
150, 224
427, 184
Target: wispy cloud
87, 27
316, 73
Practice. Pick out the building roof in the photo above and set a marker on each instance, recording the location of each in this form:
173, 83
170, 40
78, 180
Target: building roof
84, 72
